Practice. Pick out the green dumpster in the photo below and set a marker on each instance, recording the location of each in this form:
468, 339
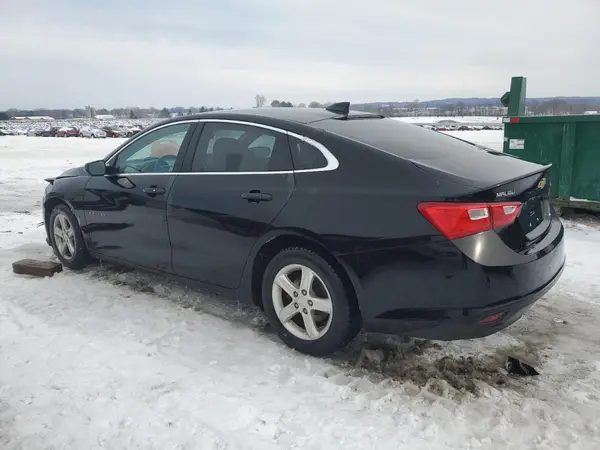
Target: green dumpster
570, 143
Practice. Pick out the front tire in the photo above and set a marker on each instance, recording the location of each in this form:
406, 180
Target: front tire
67, 239
307, 304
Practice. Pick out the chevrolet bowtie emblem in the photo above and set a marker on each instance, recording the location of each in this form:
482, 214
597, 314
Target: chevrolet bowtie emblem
542, 183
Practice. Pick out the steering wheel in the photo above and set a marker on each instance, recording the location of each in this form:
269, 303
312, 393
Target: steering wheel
163, 164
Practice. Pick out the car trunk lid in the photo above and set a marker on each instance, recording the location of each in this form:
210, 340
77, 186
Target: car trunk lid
532, 191
534, 218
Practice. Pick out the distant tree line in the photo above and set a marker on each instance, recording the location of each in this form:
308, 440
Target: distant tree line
260, 101
557, 106
452, 107
458, 107
132, 113
481, 107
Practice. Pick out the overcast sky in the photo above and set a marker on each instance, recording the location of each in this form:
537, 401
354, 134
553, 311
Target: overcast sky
111, 53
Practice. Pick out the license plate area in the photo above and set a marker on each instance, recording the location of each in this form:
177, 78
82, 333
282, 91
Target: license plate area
536, 219
531, 214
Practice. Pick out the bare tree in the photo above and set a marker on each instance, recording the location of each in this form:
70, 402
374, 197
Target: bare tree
261, 100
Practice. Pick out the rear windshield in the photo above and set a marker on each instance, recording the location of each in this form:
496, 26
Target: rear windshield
475, 165
401, 139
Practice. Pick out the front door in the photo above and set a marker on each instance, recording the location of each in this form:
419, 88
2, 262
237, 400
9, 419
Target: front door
239, 180
125, 210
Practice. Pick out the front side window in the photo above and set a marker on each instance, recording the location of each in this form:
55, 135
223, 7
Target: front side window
228, 147
154, 152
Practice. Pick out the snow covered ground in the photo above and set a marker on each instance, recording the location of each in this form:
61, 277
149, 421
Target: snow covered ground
483, 120
109, 358
488, 138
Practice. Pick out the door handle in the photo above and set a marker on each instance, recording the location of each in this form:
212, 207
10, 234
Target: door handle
256, 196
153, 191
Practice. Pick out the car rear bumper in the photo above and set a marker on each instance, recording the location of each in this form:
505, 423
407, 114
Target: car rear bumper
465, 323
436, 290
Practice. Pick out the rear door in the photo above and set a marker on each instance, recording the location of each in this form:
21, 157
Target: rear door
125, 210
236, 179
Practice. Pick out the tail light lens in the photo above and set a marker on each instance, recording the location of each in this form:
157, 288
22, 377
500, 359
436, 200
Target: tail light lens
456, 220
504, 213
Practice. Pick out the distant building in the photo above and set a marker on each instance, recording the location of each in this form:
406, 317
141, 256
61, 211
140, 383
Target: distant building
90, 112
104, 117
591, 112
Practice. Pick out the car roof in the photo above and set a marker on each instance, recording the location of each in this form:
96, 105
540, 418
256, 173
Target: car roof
288, 114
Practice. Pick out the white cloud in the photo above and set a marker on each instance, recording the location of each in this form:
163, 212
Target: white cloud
69, 53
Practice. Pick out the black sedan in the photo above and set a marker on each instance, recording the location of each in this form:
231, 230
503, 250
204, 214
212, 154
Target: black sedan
330, 220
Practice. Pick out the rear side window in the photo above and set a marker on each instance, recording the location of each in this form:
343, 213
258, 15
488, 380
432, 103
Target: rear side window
305, 155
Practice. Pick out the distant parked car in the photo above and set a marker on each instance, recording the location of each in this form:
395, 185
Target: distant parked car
329, 220
67, 132
129, 131
135, 129
115, 132
90, 132
48, 132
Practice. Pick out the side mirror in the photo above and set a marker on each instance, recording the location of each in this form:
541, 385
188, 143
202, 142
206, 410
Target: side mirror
96, 168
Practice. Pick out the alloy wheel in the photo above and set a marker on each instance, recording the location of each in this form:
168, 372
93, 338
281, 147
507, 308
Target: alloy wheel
302, 302
64, 236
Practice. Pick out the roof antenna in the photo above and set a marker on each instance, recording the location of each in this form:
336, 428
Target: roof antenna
340, 108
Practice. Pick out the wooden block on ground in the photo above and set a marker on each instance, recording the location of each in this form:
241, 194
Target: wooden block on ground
36, 268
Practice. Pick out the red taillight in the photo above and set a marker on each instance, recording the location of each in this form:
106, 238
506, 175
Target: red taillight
455, 220
504, 213
491, 318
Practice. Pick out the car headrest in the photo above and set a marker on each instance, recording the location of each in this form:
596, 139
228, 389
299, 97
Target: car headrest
227, 155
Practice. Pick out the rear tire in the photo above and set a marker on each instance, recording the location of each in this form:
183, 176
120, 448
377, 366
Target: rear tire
67, 239
307, 304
